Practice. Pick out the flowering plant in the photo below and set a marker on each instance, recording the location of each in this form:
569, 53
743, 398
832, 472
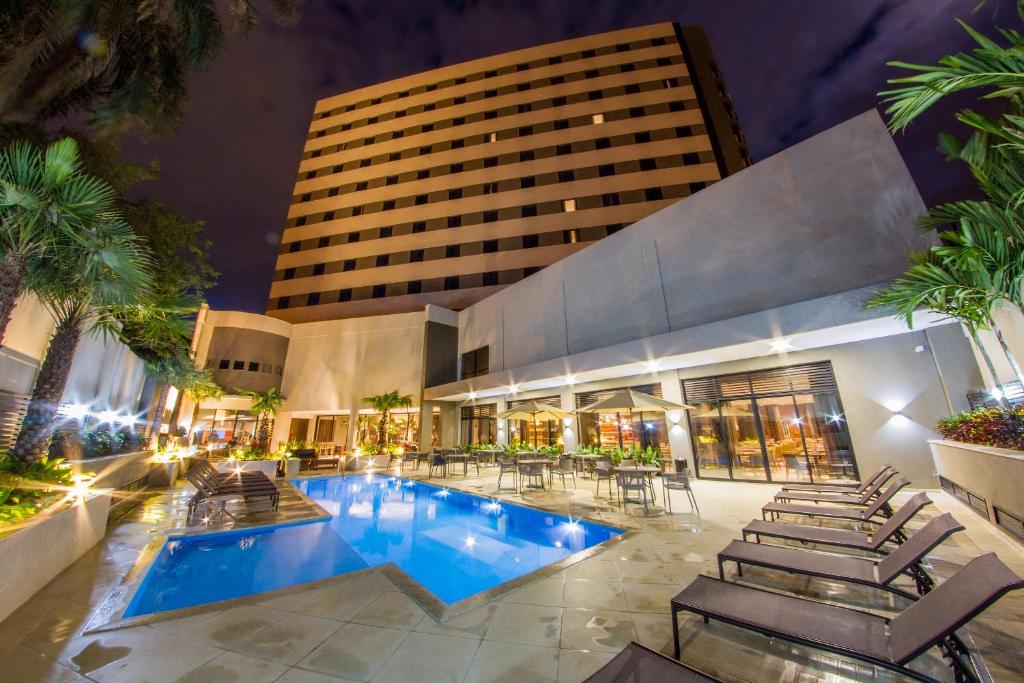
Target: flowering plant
987, 427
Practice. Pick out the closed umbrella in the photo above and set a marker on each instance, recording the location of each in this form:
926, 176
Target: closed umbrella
530, 410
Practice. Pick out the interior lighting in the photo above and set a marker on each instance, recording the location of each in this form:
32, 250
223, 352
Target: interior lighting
835, 418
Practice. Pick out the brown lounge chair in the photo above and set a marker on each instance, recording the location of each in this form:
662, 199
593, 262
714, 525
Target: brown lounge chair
839, 486
893, 643
892, 530
852, 514
638, 664
216, 487
858, 497
864, 571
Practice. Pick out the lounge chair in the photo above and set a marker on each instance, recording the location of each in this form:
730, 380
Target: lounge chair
842, 538
638, 664
893, 643
862, 498
853, 514
839, 486
868, 572
246, 487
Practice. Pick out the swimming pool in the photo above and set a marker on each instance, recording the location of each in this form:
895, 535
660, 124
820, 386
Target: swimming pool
455, 544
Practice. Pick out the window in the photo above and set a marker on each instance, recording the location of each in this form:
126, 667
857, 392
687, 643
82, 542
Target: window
318, 269
492, 137
422, 175
597, 118
382, 260
525, 130
490, 216
523, 108
451, 251
490, 188
300, 221
378, 291
475, 363
490, 162
313, 299
455, 168
605, 170
561, 124
348, 264
386, 231
636, 112
568, 205
527, 181
414, 287
490, 279
352, 237
595, 95
570, 236
478, 424
415, 256
344, 295
647, 165
238, 365
282, 302
566, 176
602, 143
455, 193
558, 101
526, 155
294, 247
528, 210
333, 192
454, 221
527, 272
691, 158
391, 180
323, 242
458, 144
451, 282
420, 199
419, 226
531, 241
652, 194
639, 138
388, 205
224, 364
305, 197
490, 246
610, 199
357, 211
289, 273
562, 150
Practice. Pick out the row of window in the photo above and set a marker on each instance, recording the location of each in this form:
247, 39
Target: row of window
516, 242
248, 366
435, 284
606, 199
518, 156
534, 181
501, 71
492, 114
409, 201
628, 67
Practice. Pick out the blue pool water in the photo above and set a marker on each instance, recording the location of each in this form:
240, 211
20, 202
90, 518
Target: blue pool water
455, 544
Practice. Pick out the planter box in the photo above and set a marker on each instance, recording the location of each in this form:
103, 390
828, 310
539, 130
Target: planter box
993, 474
114, 471
36, 554
292, 467
163, 473
267, 467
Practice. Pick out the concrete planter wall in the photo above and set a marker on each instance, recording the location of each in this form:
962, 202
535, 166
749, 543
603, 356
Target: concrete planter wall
114, 471
995, 474
267, 467
36, 554
163, 473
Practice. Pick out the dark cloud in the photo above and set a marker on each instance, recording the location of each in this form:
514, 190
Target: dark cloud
793, 69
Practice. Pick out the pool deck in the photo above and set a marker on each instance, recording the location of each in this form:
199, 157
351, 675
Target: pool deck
561, 627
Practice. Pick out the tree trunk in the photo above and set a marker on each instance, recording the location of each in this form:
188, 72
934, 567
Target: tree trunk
37, 427
176, 413
1009, 355
991, 367
263, 432
382, 430
12, 280
158, 414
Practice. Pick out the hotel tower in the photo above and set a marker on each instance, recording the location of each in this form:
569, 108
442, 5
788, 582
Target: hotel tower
446, 186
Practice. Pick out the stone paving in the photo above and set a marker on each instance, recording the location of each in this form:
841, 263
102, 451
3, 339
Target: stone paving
559, 628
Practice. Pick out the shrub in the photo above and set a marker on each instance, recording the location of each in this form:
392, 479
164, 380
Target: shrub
24, 489
987, 427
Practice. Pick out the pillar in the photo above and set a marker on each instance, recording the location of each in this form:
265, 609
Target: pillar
570, 426
678, 425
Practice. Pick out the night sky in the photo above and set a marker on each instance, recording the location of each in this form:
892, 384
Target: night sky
793, 68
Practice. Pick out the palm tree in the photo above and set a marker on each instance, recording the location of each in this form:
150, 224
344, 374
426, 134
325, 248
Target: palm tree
121, 60
265, 406
167, 371
384, 404
200, 387
102, 267
44, 197
935, 285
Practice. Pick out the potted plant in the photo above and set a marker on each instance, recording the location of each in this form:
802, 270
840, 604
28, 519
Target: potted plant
164, 467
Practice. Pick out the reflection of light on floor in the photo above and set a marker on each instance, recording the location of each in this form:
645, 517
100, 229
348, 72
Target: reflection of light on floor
364, 509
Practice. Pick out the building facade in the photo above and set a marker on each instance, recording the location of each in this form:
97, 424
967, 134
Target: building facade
445, 187
763, 331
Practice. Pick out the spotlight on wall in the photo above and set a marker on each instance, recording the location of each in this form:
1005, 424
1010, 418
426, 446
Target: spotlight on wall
834, 418
570, 379
108, 416
652, 366
513, 388
471, 396
74, 411
781, 345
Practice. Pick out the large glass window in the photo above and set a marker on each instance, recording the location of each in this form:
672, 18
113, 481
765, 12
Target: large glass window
479, 426
783, 424
618, 430
403, 429
476, 363
331, 431
539, 432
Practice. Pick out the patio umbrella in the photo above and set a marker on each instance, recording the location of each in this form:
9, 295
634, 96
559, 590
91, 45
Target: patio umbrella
530, 410
629, 400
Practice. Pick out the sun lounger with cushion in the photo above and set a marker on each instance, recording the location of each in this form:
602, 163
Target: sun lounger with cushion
865, 571
638, 664
892, 530
930, 622
853, 514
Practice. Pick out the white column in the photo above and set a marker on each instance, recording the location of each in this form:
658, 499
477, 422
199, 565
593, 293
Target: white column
570, 426
426, 426
502, 424
353, 419
678, 425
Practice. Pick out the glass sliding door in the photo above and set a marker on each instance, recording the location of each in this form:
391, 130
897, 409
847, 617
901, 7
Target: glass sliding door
619, 430
784, 424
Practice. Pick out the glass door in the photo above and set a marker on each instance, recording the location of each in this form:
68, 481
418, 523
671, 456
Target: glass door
710, 449
784, 442
739, 419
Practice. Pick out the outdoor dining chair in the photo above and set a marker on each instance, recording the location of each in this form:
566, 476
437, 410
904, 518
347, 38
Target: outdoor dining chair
678, 481
437, 460
635, 482
604, 470
507, 465
531, 475
564, 467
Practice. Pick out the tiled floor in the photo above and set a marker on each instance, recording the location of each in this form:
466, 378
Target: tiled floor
558, 628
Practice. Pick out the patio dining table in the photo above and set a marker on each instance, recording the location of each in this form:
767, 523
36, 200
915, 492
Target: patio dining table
584, 462
449, 458
647, 470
